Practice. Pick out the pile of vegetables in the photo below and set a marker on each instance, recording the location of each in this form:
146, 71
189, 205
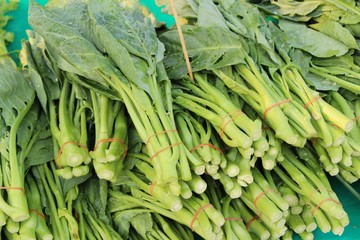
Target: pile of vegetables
104, 134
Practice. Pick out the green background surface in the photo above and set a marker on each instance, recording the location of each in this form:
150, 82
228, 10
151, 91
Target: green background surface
352, 232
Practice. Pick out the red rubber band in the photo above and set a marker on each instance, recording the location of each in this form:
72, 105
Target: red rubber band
319, 191
122, 142
209, 145
233, 219
356, 118
164, 149
62, 148
275, 105
159, 133
196, 215
223, 126
334, 125
311, 101
258, 198
322, 202
250, 222
13, 188
38, 213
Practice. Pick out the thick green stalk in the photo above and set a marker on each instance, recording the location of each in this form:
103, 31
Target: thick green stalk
159, 192
279, 123
146, 129
231, 134
274, 230
167, 228
323, 131
271, 193
195, 134
251, 128
80, 219
197, 184
58, 224
334, 116
323, 156
238, 87
16, 198
309, 190
178, 152
39, 226
263, 204
236, 191
12, 236
233, 224
308, 219
239, 227
12, 227
101, 125
253, 224
71, 154
187, 135
296, 223
183, 216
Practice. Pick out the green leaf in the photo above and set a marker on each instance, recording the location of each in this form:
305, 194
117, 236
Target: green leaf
142, 223
32, 75
208, 48
312, 41
4, 145
41, 152
267, 45
321, 83
336, 31
354, 29
129, 28
68, 184
209, 15
301, 59
279, 37
27, 127
123, 219
70, 50
249, 16
348, 95
227, 3
184, 8
274, 10
15, 92
96, 192
342, 12
345, 61
128, 38
36, 59
74, 13
293, 8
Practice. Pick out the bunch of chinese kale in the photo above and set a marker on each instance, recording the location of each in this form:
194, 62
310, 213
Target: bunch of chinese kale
109, 138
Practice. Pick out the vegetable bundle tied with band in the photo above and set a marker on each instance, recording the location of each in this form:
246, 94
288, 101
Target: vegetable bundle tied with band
104, 136
288, 83
133, 71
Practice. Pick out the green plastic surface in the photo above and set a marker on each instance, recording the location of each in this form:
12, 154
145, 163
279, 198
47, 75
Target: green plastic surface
352, 232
